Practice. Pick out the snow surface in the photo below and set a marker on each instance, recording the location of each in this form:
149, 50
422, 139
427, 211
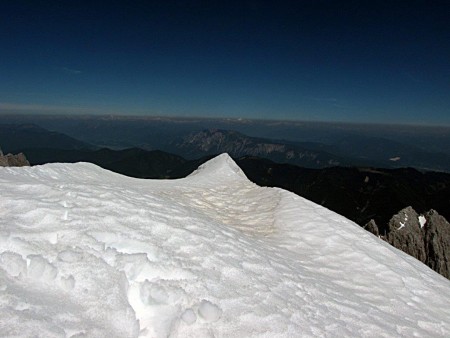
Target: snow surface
85, 252
422, 221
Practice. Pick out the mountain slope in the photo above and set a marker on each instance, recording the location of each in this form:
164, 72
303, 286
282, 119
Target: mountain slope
359, 194
87, 251
389, 153
16, 137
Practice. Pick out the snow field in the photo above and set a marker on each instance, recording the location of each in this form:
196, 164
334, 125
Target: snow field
88, 253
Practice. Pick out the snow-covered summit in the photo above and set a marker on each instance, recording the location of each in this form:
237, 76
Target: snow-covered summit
87, 252
221, 168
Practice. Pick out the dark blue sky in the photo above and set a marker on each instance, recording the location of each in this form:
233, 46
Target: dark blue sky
359, 61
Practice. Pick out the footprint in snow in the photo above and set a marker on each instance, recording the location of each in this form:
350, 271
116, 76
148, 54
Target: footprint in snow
189, 316
209, 311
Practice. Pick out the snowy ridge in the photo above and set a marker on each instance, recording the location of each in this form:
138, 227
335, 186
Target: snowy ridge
222, 168
87, 252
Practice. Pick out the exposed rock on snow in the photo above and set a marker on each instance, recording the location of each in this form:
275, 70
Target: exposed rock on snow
425, 237
10, 160
404, 232
87, 252
437, 239
372, 227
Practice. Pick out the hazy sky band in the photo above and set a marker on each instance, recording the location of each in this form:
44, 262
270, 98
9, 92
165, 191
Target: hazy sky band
365, 61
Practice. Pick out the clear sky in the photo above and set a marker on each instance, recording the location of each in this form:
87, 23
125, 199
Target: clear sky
359, 61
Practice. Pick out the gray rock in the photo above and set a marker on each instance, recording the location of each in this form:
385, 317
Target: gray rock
404, 232
429, 243
372, 227
437, 241
11, 160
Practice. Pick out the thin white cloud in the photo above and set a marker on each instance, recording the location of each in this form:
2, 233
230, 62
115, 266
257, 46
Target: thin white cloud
70, 70
340, 106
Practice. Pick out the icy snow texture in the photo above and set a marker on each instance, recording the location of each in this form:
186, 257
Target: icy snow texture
422, 221
87, 252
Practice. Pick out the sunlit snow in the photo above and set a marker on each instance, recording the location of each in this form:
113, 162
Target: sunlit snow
422, 221
87, 252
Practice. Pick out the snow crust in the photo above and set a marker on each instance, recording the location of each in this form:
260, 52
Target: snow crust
422, 221
85, 252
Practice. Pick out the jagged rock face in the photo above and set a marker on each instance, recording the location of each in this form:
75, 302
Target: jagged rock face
404, 232
437, 241
372, 227
425, 237
11, 160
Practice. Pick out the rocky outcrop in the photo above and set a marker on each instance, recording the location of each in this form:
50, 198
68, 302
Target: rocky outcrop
405, 233
11, 160
437, 241
372, 227
425, 237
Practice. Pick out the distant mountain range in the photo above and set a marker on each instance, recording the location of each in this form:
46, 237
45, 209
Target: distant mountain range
215, 141
385, 146
352, 150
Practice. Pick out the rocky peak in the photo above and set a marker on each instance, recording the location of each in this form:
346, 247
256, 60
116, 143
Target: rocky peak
11, 160
372, 227
404, 232
425, 237
437, 240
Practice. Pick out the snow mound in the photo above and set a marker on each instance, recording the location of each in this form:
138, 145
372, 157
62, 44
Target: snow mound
85, 252
219, 169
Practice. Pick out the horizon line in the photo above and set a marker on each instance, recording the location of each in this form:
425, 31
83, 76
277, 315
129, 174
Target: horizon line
87, 113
